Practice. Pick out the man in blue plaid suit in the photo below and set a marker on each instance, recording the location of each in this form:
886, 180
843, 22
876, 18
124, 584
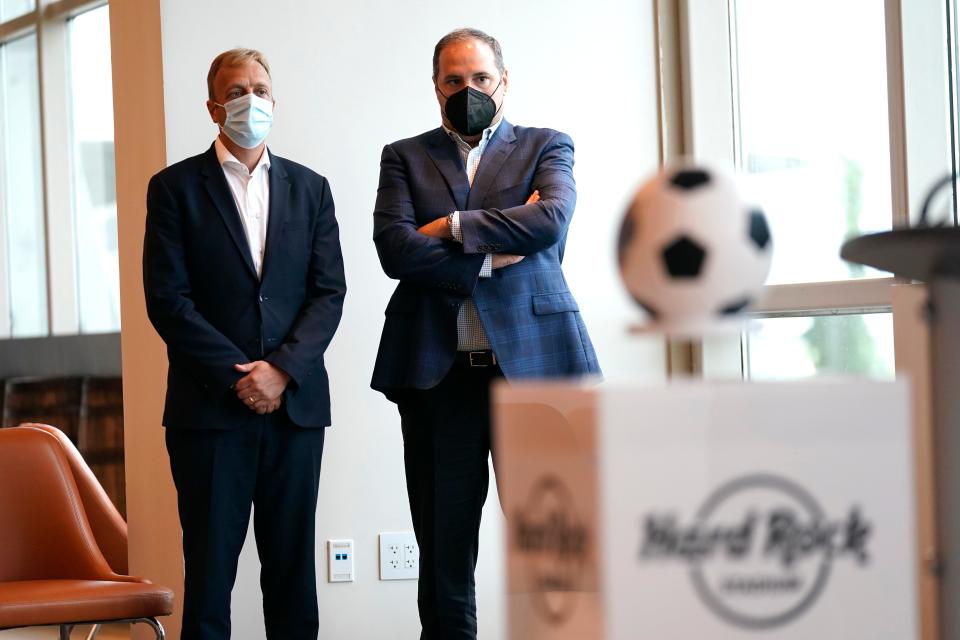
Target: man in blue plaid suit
472, 219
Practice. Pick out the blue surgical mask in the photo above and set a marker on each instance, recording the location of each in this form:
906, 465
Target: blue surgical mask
248, 121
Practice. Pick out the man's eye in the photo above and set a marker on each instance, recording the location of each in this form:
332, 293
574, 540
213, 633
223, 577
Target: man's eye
262, 92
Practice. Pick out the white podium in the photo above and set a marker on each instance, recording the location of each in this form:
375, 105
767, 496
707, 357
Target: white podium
708, 511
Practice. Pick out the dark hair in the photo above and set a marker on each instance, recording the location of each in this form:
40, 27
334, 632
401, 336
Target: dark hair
461, 35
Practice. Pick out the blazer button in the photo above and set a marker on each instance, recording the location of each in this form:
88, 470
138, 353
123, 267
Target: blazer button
260, 298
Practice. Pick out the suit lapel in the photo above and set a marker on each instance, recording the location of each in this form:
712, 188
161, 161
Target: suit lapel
279, 207
445, 155
494, 156
219, 191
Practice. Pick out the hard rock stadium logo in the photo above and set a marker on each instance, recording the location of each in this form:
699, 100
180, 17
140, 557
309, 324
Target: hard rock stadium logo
760, 550
553, 546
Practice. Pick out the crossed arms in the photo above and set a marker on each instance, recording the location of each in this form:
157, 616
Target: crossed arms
424, 254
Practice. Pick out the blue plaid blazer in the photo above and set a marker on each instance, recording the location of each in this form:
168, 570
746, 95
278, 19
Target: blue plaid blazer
531, 318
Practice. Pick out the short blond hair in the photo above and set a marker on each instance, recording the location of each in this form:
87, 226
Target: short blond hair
233, 58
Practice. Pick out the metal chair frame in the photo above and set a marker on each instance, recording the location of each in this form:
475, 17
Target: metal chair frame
66, 629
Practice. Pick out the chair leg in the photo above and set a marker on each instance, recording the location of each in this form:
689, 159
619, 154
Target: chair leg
65, 630
94, 631
155, 624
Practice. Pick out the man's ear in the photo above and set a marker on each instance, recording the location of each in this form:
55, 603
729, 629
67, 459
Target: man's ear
212, 109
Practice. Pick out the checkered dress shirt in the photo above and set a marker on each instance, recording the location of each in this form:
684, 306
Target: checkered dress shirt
470, 333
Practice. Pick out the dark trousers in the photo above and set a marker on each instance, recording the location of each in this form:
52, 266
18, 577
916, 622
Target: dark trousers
446, 444
274, 466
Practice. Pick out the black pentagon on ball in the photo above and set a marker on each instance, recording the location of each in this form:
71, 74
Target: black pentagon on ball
690, 179
735, 307
684, 258
759, 229
627, 230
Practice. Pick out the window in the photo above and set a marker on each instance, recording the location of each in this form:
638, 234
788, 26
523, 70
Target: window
94, 188
26, 276
795, 97
797, 347
58, 238
811, 130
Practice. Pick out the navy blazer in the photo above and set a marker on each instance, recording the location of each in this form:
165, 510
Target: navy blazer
531, 318
206, 302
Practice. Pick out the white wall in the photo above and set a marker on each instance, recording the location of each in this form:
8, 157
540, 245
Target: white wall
350, 77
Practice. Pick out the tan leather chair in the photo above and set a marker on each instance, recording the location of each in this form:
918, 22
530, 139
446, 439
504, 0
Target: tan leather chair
52, 569
108, 526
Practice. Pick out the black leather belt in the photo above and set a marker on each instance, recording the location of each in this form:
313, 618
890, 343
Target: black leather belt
476, 358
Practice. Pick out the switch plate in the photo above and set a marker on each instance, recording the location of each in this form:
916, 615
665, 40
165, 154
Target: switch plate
399, 556
340, 560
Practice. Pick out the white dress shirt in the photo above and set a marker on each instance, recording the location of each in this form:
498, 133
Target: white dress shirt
470, 333
251, 193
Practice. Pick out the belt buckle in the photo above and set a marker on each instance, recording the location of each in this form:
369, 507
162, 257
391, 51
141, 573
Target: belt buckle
480, 355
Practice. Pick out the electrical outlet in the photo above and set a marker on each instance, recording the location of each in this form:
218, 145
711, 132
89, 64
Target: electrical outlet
411, 556
394, 556
399, 556
340, 560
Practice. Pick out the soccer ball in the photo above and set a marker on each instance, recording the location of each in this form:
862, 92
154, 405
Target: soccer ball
692, 253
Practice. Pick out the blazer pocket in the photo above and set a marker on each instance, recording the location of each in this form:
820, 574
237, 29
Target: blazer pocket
547, 303
511, 196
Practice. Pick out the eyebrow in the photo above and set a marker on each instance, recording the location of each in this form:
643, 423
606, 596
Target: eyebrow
240, 85
457, 76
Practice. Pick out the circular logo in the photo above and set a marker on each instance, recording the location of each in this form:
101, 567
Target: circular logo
553, 544
767, 550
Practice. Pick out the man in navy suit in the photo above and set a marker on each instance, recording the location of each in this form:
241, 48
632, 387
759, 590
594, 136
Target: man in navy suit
472, 219
244, 282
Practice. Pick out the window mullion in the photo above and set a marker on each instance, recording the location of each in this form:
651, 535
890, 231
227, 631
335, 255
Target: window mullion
808, 298
896, 107
55, 136
19, 26
708, 89
65, 9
